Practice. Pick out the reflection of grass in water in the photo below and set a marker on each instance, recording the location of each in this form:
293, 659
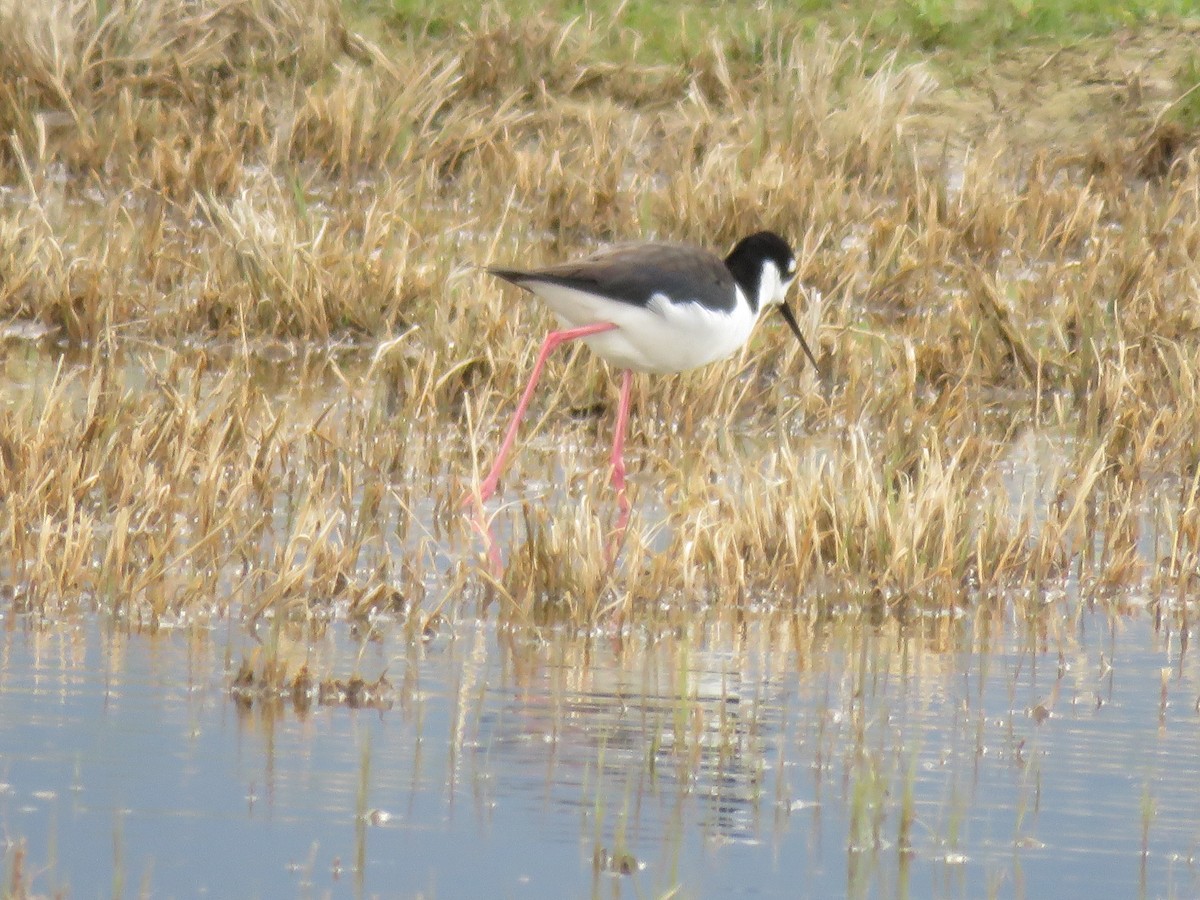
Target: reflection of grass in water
867, 807
904, 838
15, 880
199, 229
671, 729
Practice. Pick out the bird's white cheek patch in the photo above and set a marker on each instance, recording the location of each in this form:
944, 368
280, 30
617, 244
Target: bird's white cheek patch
770, 285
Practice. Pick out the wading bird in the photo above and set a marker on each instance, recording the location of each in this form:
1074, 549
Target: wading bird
654, 307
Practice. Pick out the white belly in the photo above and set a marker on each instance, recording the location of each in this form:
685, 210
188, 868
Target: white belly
661, 338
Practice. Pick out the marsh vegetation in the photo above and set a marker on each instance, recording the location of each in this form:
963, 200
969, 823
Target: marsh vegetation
249, 365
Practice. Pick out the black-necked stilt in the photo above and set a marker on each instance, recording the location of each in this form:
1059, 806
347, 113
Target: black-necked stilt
654, 307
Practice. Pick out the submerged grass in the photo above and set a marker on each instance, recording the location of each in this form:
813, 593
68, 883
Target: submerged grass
250, 364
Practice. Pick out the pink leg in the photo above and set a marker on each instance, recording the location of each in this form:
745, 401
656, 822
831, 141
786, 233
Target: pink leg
484, 528
618, 449
488, 486
617, 535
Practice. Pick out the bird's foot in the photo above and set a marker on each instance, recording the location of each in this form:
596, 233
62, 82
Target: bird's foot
616, 537
487, 489
491, 548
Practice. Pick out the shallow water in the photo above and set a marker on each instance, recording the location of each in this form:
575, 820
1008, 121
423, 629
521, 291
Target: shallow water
769, 759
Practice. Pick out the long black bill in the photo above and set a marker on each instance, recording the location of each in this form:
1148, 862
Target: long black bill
791, 320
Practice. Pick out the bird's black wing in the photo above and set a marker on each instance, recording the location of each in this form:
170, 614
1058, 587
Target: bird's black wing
633, 273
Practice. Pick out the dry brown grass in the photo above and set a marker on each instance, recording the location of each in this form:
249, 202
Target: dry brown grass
270, 369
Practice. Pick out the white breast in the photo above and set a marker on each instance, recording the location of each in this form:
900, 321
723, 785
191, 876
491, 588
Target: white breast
662, 337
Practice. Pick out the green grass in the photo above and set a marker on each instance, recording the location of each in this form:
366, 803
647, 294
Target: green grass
1185, 112
959, 34
981, 28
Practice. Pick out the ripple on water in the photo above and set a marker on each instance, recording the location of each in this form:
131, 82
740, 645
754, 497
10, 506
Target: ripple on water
725, 762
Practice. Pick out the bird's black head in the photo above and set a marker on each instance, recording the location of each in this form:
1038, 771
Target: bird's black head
764, 267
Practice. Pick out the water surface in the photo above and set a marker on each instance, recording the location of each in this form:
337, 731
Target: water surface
964, 758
